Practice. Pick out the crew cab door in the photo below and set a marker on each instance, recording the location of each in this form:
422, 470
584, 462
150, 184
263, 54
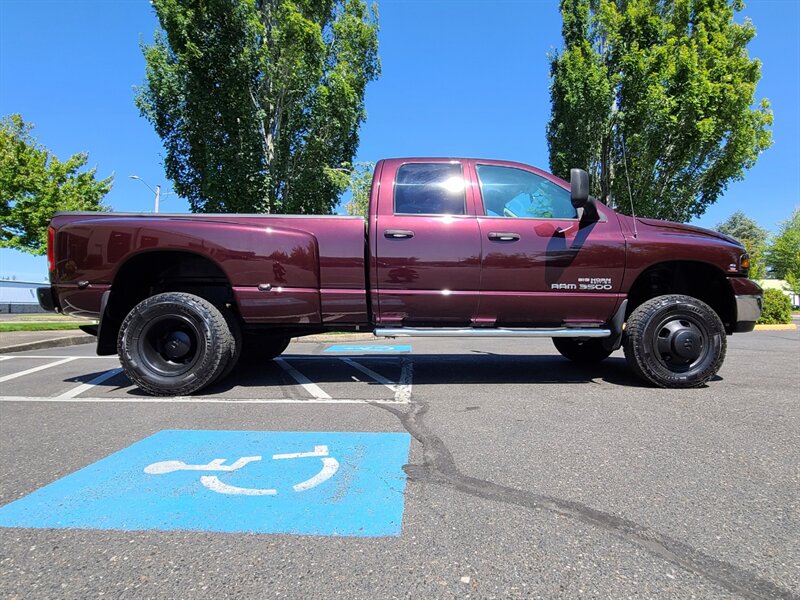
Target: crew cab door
540, 264
425, 244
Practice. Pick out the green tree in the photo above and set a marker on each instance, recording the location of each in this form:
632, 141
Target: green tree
34, 184
753, 237
360, 184
259, 102
783, 254
667, 84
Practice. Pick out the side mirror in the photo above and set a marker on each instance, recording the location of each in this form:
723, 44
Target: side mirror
579, 194
579, 187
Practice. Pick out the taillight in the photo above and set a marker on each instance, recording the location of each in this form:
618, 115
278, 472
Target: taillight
51, 250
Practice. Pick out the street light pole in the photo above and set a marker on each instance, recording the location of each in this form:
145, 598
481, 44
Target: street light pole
156, 191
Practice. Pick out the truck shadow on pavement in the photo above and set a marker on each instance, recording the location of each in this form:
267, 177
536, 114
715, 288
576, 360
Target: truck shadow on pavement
436, 369
452, 369
477, 368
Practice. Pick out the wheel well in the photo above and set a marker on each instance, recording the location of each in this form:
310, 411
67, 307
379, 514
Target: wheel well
152, 273
699, 280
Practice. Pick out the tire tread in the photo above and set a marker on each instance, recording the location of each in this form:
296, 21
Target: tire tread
635, 330
207, 373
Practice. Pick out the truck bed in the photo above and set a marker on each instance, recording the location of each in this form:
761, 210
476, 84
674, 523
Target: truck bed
282, 269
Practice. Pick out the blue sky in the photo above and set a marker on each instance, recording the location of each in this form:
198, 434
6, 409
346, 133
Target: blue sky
460, 78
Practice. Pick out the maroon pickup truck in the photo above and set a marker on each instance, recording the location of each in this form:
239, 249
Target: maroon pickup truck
451, 247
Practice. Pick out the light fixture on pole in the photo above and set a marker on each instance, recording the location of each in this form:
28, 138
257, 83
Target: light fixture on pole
156, 191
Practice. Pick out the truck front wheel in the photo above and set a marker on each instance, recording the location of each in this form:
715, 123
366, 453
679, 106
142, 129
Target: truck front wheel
174, 344
582, 351
675, 341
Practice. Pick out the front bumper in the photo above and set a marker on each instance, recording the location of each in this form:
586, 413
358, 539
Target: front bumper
748, 310
747, 299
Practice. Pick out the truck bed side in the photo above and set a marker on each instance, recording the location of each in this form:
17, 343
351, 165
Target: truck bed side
301, 270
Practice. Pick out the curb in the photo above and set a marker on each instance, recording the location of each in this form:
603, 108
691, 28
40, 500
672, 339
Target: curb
781, 327
330, 339
73, 340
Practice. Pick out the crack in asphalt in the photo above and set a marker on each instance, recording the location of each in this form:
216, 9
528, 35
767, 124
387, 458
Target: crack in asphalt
438, 467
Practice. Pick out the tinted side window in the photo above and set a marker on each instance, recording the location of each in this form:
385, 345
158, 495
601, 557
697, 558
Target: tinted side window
429, 189
510, 192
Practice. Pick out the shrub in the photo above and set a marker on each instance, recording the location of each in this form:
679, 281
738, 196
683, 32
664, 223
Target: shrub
777, 308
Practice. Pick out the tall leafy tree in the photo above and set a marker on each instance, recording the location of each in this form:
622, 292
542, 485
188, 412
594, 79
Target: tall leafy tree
259, 102
752, 236
360, 185
34, 184
667, 84
783, 255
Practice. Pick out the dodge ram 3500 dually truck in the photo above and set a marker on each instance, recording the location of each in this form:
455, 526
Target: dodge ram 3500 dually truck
451, 247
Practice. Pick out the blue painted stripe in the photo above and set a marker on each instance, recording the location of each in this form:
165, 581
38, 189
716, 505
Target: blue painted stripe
369, 348
364, 497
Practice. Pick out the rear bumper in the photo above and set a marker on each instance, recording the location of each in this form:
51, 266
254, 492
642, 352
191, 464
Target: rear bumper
46, 298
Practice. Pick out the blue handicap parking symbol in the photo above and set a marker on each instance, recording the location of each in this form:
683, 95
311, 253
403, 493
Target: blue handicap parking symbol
367, 348
308, 483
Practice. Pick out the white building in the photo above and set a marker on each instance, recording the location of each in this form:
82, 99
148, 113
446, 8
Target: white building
19, 296
780, 284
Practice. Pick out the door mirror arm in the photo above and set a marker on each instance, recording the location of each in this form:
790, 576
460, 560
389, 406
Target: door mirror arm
588, 213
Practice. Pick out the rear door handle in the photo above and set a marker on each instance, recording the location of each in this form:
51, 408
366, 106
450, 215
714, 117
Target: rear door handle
503, 236
398, 234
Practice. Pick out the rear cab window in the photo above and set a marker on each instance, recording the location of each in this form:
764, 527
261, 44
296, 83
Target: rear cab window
516, 193
430, 189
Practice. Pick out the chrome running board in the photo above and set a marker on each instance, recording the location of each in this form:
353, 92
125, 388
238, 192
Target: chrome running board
567, 332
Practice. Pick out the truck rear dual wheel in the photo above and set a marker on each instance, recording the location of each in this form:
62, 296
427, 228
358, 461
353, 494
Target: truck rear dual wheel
675, 341
174, 344
236, 342
260, 347
585, 351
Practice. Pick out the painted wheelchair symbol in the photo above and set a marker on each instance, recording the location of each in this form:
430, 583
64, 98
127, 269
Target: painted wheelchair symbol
212, 482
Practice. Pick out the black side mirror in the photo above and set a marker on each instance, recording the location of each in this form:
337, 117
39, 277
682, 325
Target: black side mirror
579, 194
579, 187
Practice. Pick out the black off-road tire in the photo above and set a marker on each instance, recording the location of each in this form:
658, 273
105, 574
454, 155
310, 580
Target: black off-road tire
259, 348
236, 342
174, 344
675, 341
582, 351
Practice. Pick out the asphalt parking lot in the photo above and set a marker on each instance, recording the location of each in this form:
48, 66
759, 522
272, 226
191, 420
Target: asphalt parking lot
526, 476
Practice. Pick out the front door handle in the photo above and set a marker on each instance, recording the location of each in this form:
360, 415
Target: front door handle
503, 236
398, 234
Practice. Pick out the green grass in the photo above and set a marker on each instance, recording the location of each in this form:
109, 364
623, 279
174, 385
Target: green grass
8, 327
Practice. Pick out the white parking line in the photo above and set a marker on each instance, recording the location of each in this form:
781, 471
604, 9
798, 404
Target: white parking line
403, 393
194, 400
11, 376
89, 384
311, 388
402, 390
370, 373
